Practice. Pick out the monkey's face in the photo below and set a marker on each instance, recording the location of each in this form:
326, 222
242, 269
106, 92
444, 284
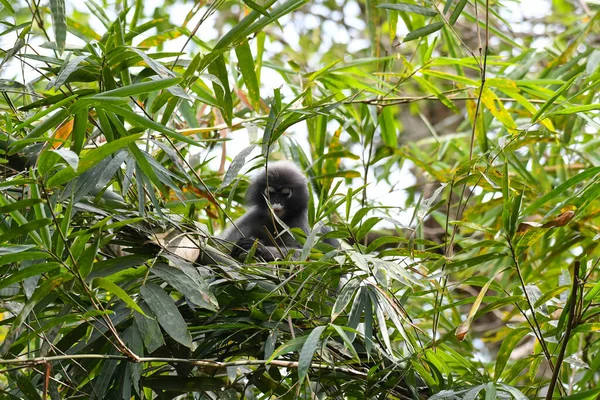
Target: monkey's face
286, 192
279, 198
286, 202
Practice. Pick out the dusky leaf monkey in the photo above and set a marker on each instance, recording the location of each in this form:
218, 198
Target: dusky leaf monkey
279, 193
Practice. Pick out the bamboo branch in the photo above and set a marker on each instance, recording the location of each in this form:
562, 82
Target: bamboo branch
570, 323
197, 362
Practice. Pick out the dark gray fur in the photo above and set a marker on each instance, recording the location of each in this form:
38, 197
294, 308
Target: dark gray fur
259, 224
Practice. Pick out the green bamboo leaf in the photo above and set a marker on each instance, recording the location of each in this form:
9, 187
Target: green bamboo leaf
25, 385
86, 260
346, 339
145, 167
40, 213
141, 88
560, 189
505, 198
146, 123
19, 205
79, 129
222, 91
246, 64
516, 393
424, 31
257, 8
236, 165
239, 31
140, 29
7, 5
576, 109
473, 393
115, 289
438, 93
96, 155
98, 12
28, 272
60, 102
24, 229
195, 290
307, 352
552, 99
447, 6
388, 127
410, 8
248, 27
368, 312
343, 299
149, 329
366, 227
70, 68
160, 69
288, 347
457, 11
160, 38
166, 312
14, 50
92, 158
40, 293
490, 391
590, 295
473, 261
21, 256
59, 23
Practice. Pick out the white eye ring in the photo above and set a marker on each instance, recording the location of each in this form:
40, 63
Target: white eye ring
269, 190
286, 192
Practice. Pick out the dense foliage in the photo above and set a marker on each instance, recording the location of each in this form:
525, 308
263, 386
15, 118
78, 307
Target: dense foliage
453, 145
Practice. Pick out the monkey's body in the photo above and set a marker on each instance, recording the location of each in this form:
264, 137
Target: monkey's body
256, 225
285, 188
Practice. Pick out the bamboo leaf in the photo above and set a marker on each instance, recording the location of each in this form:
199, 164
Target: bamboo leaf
566, 86
424, 31
410, 8
222, 91
24, 229
70, 68
59, 23
308, 350
463, 328
246, 64
236, 165
457, 11
115, 289
194, 289
28, 272
7, 5
167, 314
141, 88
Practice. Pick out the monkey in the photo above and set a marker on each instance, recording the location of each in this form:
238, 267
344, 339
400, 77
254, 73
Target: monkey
281, 189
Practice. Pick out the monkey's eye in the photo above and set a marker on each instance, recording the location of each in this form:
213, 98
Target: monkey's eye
286, 192
270, 190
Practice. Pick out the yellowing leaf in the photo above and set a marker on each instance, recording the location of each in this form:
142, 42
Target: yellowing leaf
493, 103
502, 84
63, 132
156, 40
528, 106
464, 327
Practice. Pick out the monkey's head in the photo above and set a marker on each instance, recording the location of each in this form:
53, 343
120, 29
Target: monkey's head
285, 187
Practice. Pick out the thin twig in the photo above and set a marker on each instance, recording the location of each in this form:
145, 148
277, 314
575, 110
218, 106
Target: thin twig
570, 323
197, 362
